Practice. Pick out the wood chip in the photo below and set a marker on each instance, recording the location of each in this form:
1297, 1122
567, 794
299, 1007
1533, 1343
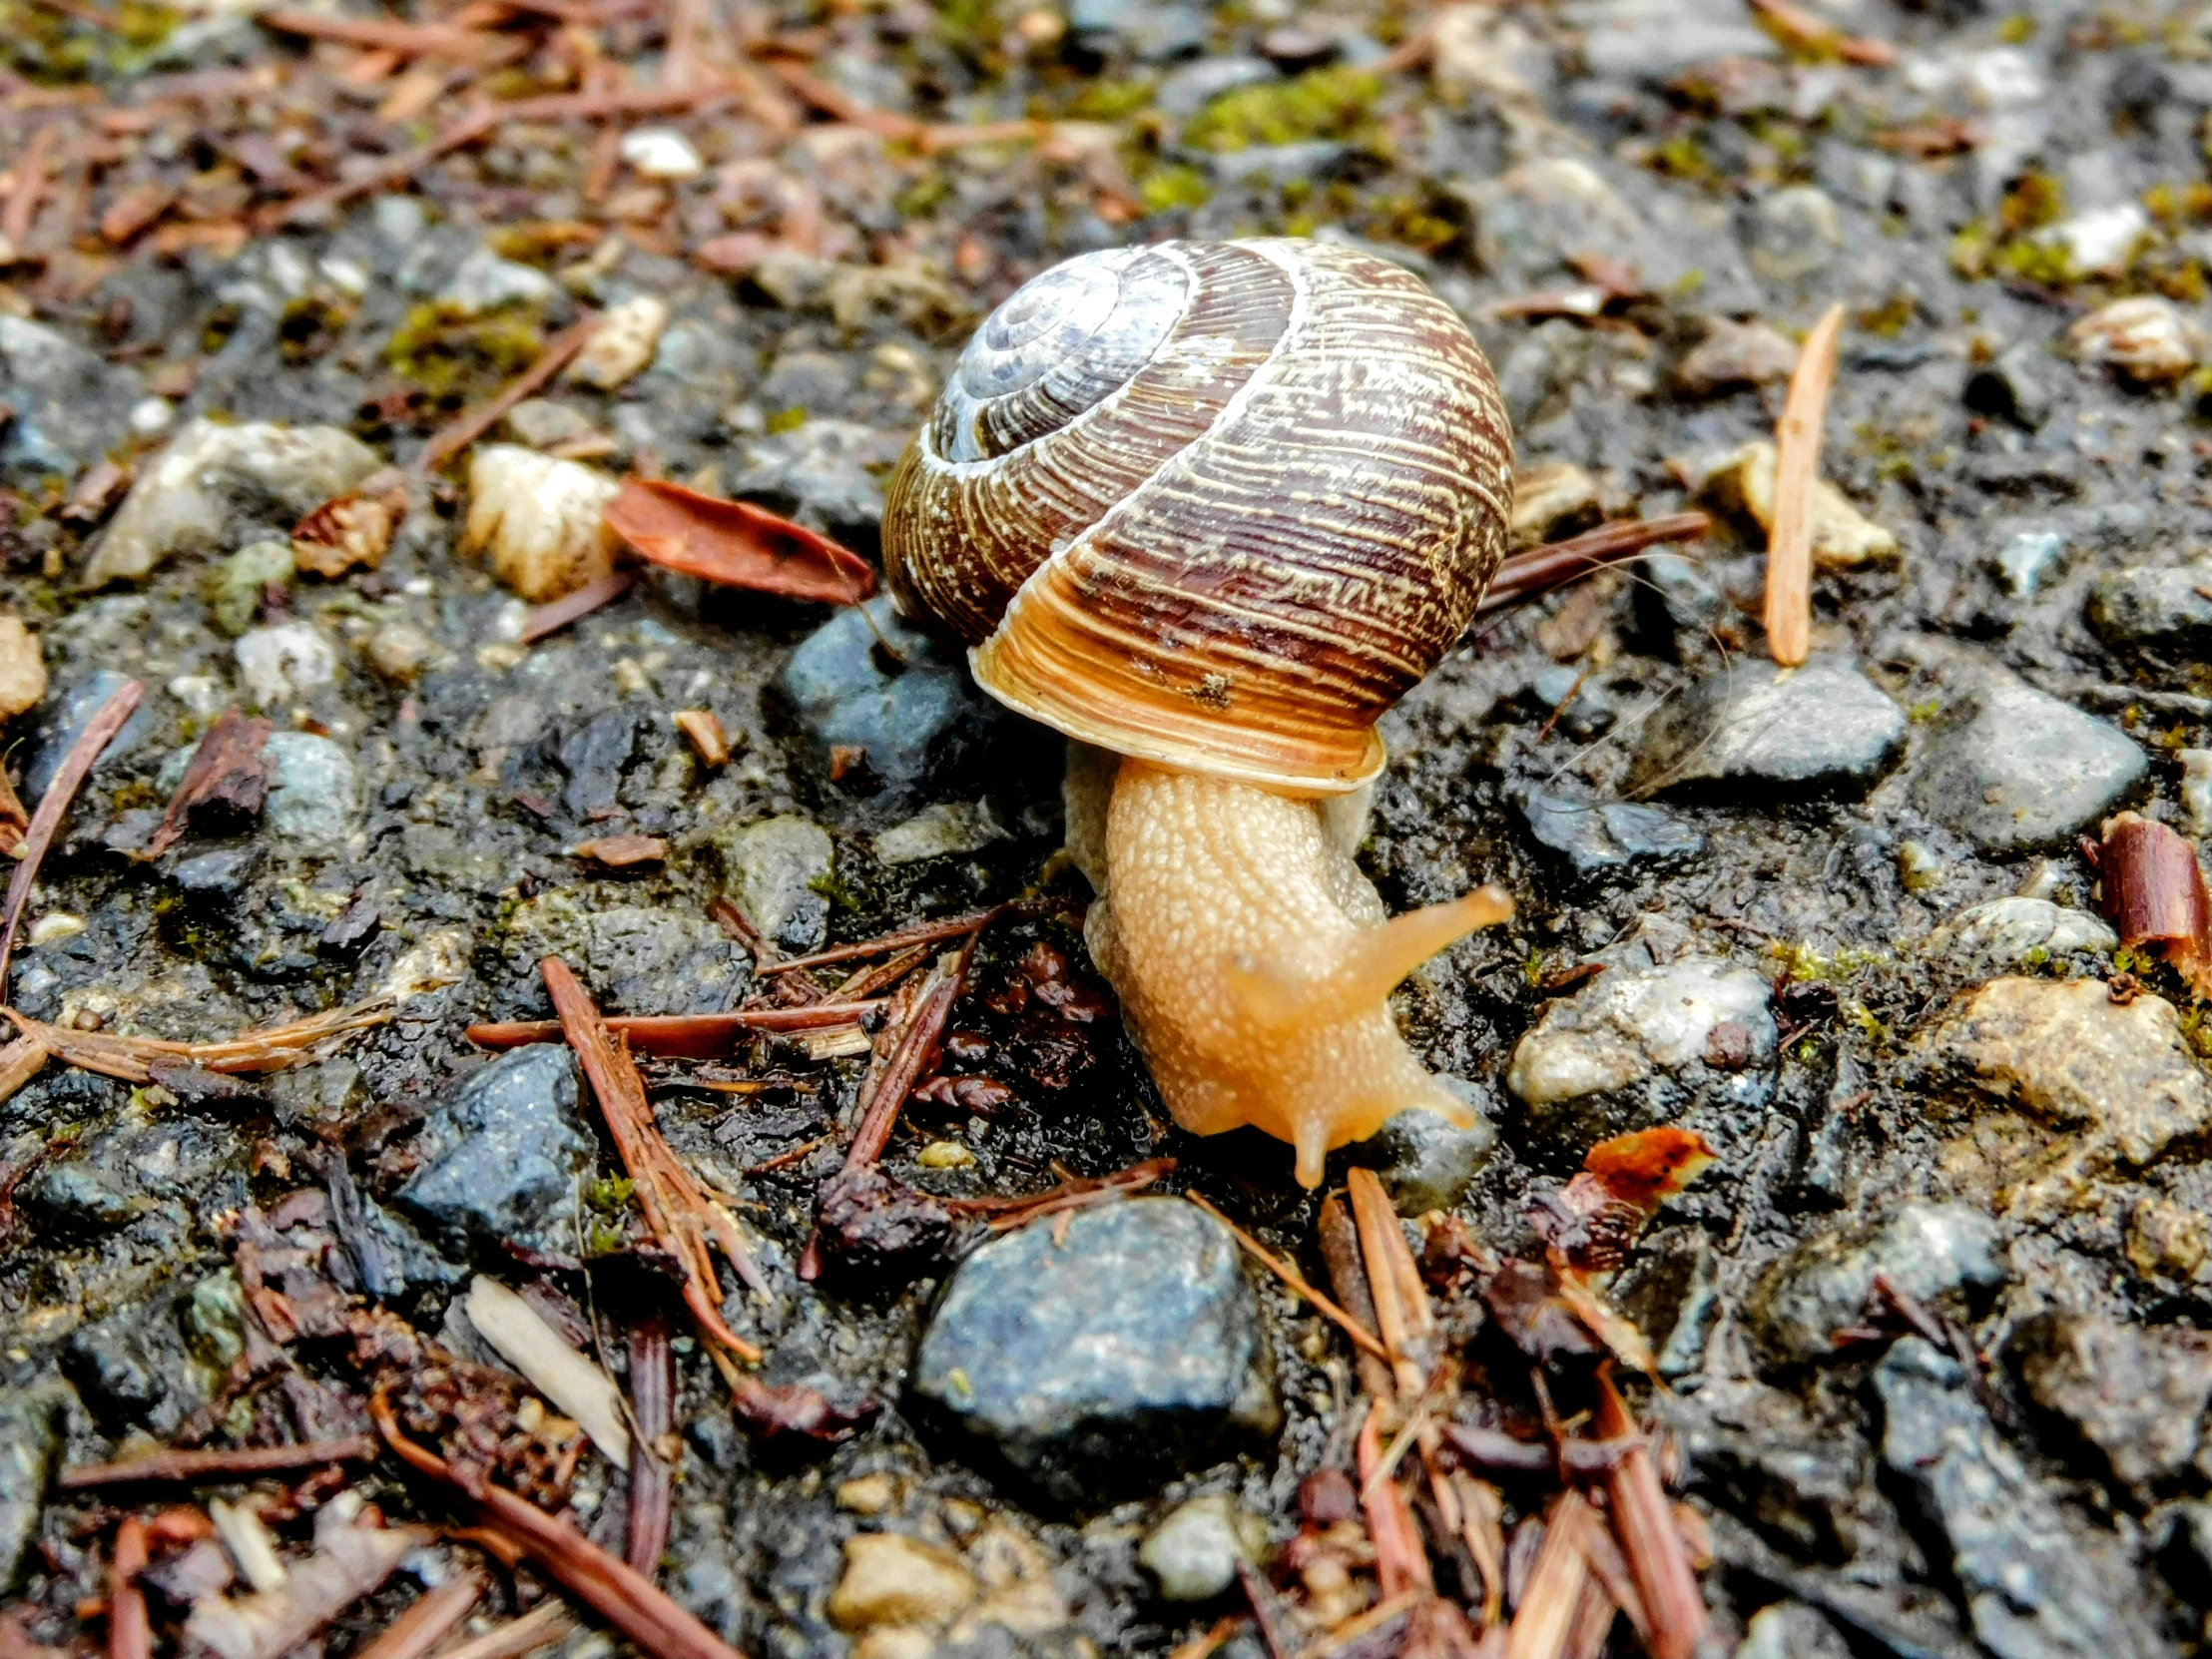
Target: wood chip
580, 1388
2152, 889
1789, 611
708, 740
22, 668
624, 851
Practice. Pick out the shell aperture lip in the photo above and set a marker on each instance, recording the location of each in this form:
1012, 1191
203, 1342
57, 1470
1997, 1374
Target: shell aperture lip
1061, 342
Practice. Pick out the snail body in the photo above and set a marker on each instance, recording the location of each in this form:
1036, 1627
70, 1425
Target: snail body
1213, 509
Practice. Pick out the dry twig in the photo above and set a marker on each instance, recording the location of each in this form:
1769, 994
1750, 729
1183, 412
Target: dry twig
188, 1467
130, 1633
1541, 569
1789, 614
429, 1621
1362, 1337
2151, 890
76, 767
683, 1036
474, 423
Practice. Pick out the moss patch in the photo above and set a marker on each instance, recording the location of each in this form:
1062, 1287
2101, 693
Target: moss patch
443, 350
1320, 103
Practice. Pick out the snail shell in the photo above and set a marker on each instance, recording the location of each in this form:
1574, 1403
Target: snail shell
1216, 505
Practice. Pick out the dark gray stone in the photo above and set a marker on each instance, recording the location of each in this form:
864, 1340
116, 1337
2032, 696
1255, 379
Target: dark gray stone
1105, 1363
592, 756
2035, 1584
2015, 386
2132, 1395
2015, 770
1675, 593
502, 1153
1756, 732
68, 405
214, 878
1591, 840
1924, 1249
66, 713
2166, 608
819, 473
30, 1439
78, 1196
133, 1370
1753, 1450
922, 728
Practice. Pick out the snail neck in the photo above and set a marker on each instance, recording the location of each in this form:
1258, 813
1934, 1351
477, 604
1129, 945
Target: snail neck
1252, 957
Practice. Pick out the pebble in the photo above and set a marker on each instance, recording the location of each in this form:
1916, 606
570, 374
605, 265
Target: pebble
185, 500
2196, 789
1106, 1363
776, 871
1733, 355
65, 715
77, 1196
2101, 243
637, 959
2143, 339
1193, 1555
2013, 385
1154, 32
1532, 220
1480, 52
2016, 771
1652, 41
2004, 932
541, 519
1591, 840
1574, 1068
948, 829
1426, 1160
501, 1152
2035, 1585
1551, 502
314, 791
400, 651
2095, 1087
1843, 538
484, 283
594, 755
1792, 1630
237, 587
2146, 605
818, 472
1795, 233
907, 732
1924, 1249
63, 398
1756, 732
30, 1444
2134, 1394
661, 153
623, 345
1755, 1450
1185, 89
540, 422
284, 664
22, 668
891, 1579
2028, 559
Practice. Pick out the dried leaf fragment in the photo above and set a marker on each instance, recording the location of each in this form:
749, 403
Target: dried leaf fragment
554, 1368
1789, 613
2153, 892
623, 345
735, 543
1649, 1166
351, 531
348, 1562
703, 730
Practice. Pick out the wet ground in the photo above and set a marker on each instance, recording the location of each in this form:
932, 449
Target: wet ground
1776, 880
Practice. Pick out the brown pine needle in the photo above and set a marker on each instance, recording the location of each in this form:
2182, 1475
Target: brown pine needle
474, 423
219, 1465
1285, 1271
1796, 441
428, 1622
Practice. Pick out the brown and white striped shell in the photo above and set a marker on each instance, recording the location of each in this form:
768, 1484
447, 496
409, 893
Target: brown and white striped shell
1217, 505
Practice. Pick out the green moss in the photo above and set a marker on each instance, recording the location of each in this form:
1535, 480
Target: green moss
922, 198
442, 351
1320, 103
1170, 186
2034, 261
1919, 714
1846, 963
786, 420
52, 46
1889, 319
1105, 100
609, 1195
2016, 29
2035, 200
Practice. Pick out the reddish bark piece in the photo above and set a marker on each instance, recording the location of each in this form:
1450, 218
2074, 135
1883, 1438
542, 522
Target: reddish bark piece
228, 780
76, 766
653, 1404
219, 1465
129, 1632
1644, 1524
735, 543
1541, 569
2153, 892
624, 852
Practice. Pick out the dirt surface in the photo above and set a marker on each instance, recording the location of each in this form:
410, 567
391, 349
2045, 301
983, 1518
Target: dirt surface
209, 217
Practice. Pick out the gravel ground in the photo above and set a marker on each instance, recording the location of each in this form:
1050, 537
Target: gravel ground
1836, 922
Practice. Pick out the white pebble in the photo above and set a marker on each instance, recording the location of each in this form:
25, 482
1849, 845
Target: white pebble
662, 153
540, 519
286, 661
151, 417
622, 344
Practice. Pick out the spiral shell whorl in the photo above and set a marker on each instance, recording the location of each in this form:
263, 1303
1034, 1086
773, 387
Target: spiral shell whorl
1228, 543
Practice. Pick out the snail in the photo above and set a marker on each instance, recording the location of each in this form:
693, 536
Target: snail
1210, 510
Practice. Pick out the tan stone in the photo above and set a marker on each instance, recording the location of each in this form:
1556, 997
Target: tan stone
541, 520
1558, 496
22, 668
622, 344
868, 1494
2115, 1079
1843, 538
893, 1580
